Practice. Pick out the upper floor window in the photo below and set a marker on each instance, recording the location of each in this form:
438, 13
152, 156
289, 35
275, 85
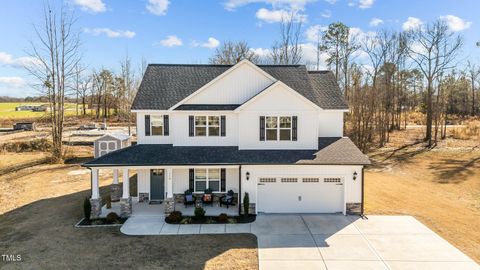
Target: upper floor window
209, 125
278, 128
156, 125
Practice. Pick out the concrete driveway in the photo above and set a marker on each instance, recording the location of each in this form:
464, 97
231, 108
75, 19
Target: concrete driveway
331, 241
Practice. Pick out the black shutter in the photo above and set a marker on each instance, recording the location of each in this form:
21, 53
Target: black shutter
191, 181
190, 126
262, 128
294, 128
223, 126
147, 125
223, 175
166, 129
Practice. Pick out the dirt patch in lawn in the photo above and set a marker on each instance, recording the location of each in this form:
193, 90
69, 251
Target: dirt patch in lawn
440, 187
40, 205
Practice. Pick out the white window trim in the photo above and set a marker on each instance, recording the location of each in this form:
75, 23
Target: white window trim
207, 179
151, 126
278, 128
207, 125
108, 149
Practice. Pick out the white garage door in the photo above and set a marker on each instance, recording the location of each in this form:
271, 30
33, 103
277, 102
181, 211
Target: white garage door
300, 194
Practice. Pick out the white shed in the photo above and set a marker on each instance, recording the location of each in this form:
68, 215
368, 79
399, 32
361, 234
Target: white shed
110, 142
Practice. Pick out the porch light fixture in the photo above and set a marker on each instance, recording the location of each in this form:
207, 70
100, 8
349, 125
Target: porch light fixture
355, 175
248, 175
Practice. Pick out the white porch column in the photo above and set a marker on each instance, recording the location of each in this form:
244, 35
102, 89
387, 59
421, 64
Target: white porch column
169, 174
95, 184
126, 184
115, 176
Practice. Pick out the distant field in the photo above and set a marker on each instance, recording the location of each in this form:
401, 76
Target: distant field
7, 110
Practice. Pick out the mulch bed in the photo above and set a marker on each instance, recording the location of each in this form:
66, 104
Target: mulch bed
99, 222
214, 220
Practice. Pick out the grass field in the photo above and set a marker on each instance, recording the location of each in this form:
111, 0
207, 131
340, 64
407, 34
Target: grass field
7, 110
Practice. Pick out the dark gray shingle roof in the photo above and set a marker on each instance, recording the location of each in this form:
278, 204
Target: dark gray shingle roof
326, 87
164, 85
332, 151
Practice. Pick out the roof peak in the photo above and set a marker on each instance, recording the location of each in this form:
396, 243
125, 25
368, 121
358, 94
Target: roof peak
218, 65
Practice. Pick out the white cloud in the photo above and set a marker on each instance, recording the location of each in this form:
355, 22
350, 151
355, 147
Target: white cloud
15, 82
171, 41
261, 52
455, 23
314, 31
277, 4
412, 23
326, 13
94, 6
365, 3
158, 7
376, 22
110, 33
274, 16
211, 43
19, 62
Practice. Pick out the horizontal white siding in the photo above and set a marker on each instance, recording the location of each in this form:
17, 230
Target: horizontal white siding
235, 88
330, 124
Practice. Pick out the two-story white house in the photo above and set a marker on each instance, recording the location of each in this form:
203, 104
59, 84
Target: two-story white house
272, 131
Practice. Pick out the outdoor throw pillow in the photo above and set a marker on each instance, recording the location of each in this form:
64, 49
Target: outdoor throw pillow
189, 198
207, 197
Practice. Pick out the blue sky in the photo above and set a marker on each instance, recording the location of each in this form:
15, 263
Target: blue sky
181, 31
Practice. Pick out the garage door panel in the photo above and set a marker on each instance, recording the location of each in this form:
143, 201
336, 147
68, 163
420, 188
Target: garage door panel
300, 197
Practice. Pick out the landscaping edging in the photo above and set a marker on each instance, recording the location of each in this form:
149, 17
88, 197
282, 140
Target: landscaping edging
80, 225
213, 220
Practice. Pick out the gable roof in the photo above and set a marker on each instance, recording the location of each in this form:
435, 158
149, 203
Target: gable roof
326, 87
331, 151
164, 85
116, 135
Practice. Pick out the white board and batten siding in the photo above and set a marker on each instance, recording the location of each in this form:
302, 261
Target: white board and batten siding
324, 195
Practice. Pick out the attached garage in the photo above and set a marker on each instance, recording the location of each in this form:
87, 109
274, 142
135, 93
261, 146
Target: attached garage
301, 194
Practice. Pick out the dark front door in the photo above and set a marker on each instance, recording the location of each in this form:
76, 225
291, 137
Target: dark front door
157, 185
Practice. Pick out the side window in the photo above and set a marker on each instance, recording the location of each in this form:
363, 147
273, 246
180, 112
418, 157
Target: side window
156, 125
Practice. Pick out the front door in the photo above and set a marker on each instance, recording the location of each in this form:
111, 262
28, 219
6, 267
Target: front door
157, 185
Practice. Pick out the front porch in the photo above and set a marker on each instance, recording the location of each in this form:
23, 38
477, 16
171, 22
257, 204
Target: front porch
158, 191
147, 209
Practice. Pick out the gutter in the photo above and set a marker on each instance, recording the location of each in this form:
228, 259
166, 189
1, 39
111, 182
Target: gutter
362, 211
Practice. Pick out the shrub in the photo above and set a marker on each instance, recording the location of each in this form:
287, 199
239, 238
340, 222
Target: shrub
108, 201
199, 213
87, 208
246, 204
112, 217
222, 218
175, 217
186, 220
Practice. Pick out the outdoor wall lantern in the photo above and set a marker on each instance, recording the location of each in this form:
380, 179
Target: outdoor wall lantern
248, 176
355, 176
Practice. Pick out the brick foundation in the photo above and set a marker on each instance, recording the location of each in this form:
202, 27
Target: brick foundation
126, 207
169, 205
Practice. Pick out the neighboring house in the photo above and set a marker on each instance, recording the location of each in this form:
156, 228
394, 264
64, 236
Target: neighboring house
274, 131
109, 143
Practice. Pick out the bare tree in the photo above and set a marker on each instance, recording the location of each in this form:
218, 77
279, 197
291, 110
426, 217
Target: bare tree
232, 52
56, 51
287, 50
433, 51
473, 73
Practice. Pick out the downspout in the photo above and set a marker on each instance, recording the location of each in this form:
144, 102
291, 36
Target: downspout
91, 183
362, 212
239, 189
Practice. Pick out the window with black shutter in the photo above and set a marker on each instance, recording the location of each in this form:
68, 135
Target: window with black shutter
147, 125
294, 128
223, 182
223, 125
191, 132
262, 128
166, 126
191, 179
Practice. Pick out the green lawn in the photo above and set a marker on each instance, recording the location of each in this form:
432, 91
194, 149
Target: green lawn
7, 110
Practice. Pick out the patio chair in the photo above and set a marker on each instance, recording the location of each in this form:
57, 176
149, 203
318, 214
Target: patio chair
227, 199
188, 198
207, 197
